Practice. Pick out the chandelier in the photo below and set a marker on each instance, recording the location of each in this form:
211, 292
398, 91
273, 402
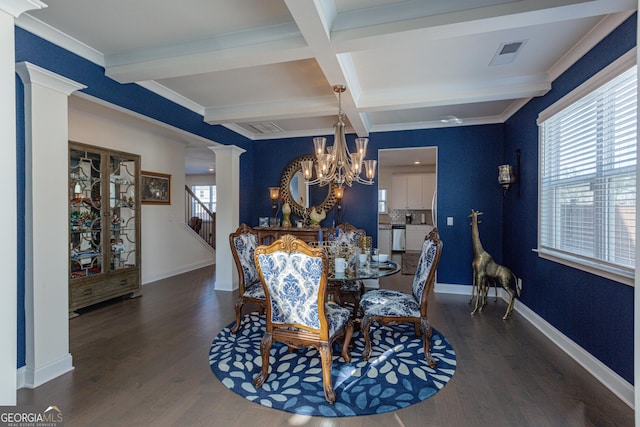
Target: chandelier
337, 165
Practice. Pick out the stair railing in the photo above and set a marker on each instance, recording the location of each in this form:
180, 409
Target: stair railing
200, 218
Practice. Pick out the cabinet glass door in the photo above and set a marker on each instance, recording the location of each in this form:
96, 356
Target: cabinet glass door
122, 212
85, 213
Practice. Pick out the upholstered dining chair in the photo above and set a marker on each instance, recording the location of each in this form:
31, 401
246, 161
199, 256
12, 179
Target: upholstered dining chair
346, 233
386, 306
294, 277
243, 243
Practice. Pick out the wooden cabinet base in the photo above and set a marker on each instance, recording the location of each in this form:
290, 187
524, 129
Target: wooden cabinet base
84, 293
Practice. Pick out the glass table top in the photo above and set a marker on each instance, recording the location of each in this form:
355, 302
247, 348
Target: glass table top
374, 271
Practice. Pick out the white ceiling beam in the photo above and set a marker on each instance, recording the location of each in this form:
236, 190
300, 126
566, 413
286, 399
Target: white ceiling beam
315, 18
436, 95
186, 64
472, 21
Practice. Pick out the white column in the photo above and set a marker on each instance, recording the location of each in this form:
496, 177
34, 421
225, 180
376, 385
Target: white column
47, 223
9, 10
227, 212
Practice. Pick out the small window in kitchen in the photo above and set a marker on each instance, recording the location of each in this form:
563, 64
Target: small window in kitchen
382, 200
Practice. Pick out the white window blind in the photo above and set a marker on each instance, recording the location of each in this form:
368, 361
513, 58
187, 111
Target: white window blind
587, 187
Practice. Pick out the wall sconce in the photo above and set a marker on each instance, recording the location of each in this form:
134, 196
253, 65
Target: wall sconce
506, 175
339, 193
274, 194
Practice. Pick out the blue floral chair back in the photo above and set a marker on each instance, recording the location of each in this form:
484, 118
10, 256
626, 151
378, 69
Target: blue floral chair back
243, 243
346, 233
294, 278
426, 261
348, 291
293, 282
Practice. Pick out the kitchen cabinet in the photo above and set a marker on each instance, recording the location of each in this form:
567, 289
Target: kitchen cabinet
412, 191
104, 225
398, 192
384, 240
415, 235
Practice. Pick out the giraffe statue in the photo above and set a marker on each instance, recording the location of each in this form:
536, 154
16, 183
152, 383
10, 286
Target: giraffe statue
485, 269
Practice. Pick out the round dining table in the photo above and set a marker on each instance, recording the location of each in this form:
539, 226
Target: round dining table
373, 271
349, 287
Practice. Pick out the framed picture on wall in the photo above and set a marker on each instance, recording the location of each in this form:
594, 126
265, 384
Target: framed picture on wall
155, 188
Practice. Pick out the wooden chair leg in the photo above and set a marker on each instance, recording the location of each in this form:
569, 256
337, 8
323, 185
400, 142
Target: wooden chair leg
239, 305
364, 328
265, 348
356, 296
347, 340
325, 356
427, 333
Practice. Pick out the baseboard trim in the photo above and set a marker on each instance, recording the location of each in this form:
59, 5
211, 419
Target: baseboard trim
31, 378
614, 382
184, 269
20, 374
444, 288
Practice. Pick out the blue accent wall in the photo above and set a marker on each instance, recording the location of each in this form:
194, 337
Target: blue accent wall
468, 158
594, 312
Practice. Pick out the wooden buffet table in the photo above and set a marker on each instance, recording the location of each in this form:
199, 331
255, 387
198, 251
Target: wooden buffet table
267, 235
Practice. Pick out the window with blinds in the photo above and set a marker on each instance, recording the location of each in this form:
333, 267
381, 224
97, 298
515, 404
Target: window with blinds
587, 188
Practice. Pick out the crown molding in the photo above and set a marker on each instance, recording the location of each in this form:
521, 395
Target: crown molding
588, 42
167, 93
55, 36
18, 7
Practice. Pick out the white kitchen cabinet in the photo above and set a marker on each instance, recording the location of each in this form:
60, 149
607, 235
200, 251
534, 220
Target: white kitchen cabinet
415, 236
399, 192
384, 240
412, 191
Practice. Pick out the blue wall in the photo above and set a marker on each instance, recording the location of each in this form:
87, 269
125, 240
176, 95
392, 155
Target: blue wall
594, 312
468, 159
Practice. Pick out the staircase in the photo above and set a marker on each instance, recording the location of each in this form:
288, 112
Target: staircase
200, 218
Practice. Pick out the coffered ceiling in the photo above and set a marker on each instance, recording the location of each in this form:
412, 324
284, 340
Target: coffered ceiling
265, 68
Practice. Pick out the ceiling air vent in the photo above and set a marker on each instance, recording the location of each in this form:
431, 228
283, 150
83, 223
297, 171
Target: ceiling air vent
507, 53
265, 127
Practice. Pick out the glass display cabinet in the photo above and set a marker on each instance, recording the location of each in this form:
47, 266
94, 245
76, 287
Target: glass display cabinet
104, 225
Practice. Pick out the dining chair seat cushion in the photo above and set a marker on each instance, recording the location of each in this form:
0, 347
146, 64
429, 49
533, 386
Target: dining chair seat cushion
389, 303
337, 316
255, 291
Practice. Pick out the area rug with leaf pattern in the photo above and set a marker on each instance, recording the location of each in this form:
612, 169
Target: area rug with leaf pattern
395, 376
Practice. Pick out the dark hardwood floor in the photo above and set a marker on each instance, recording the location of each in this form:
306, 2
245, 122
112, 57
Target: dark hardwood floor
144, 361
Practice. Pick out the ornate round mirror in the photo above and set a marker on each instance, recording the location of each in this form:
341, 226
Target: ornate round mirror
299, 194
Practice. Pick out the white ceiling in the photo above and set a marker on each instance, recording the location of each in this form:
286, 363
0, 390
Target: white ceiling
406, 64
